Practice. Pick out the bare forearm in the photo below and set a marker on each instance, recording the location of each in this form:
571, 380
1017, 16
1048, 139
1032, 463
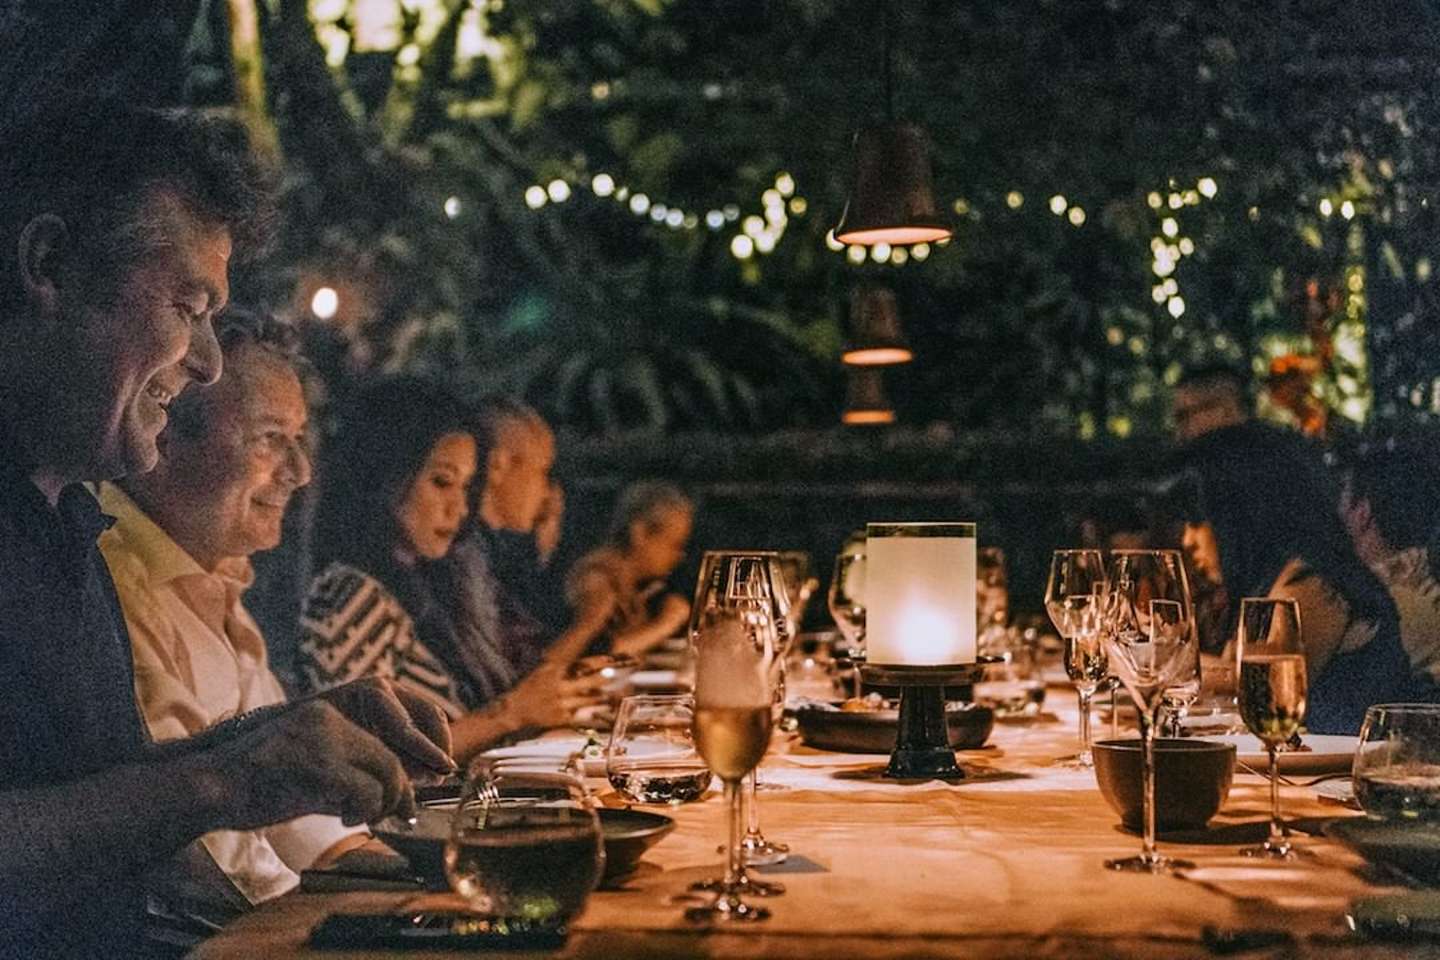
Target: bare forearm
476, 731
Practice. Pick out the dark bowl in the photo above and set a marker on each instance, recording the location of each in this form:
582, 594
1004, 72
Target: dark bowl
1412, 848
969, 727
628, 834
1192, 780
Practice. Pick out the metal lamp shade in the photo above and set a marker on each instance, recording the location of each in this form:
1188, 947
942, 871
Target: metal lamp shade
876, 337
865, 401
892, 199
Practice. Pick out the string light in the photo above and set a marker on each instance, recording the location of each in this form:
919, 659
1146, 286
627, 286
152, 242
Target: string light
1208, 187
1169, 227
452, 207
325, 303
1076, 216
558, 191
1347, 210
714, 219
742, 246
1014, 199
1057, 204
1326, 207
639, 204
603, 185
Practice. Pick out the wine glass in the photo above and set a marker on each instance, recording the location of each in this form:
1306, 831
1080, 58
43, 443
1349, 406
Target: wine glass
1072, 598
1148, 634
799, 585
757, 850
524, 843
1272, 690
1397, 765
847, 607
734, 631
1178, 697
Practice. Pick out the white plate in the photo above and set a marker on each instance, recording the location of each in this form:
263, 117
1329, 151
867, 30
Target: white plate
1327, 754
655, 680
1338, 791
551, 748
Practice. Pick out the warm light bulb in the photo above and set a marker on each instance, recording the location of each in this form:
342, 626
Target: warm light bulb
742, 246
535, 197
1347, 210
1057, 204
714, 219
603, 185
880, 252
920, 251
325, 303
1076, 216
558, 190
1207, 186
1176, 306
639, 204
785, 184
832, 243
1169, 227
1326, 207
1014, 199
452, 207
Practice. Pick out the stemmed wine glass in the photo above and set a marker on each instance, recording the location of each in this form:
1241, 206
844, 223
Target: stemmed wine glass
1072, 598
733, 630
847, 607
1272, 695
1147, 631
1178, 697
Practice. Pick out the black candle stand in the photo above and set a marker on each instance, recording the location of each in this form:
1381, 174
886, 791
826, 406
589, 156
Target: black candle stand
922, 743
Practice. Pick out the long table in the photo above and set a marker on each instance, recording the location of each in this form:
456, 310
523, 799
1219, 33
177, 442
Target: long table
1007, 863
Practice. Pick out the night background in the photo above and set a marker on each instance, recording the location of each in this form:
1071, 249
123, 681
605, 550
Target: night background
620, 210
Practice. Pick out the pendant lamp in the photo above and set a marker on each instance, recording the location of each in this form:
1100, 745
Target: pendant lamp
876, 339
865, 401
892, 197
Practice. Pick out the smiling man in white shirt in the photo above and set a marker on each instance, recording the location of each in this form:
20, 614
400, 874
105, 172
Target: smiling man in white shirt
179, 552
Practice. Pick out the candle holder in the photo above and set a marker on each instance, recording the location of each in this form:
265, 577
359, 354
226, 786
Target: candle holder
922, 742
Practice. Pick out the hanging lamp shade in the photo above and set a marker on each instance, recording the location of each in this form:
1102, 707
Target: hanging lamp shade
865, 401
892, 199
876, 339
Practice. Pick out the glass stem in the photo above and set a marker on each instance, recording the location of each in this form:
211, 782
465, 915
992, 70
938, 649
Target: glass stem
752, 809
1276, 839
1084, 694
1147, 739
1114, 710
734, 864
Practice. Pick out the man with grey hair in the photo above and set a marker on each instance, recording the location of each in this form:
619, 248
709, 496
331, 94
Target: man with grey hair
231, 457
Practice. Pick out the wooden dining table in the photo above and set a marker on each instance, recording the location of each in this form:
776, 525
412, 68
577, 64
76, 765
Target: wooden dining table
1008, 862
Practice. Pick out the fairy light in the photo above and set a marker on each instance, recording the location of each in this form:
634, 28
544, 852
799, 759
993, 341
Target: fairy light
1169, 227
1208, 187
558, 191
1154, 200
1347, 210
714, 219
1326, 207
603, 185
880, 252
639, 203
325, 303
785, 184
1058, 204
920, 251
831, 243
1076, 216
855, 254
535, 197
452, 207
742, 246
1014, 199
1176, 306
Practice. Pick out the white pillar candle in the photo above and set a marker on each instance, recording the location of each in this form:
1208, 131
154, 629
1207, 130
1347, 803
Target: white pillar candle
920, 593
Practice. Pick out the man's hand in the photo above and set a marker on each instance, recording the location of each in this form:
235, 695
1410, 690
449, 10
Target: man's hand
307, 759
415, 729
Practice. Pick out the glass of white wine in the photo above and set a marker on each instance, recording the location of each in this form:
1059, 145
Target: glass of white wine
734, 631
1148, 633
1072, 598
1272, 691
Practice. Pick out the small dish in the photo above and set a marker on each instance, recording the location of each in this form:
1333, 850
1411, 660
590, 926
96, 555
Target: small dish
628, 834
1413, 849
1327, 754
1192, 780
827, 727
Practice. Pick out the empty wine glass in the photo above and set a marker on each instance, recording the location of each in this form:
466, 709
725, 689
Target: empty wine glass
847, 607
1272, 691
524, 843
733, 630
1073, 598
1148, 634
1178, 697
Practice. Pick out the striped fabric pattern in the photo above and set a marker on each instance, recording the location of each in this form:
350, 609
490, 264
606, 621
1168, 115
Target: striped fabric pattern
352, 626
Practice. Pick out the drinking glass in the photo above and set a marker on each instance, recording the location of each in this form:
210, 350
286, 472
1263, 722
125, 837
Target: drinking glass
799, 586
524, 843
734, 631
1397, 765
651, 757
1178, 697
1272, 689
847, 607
1073, 596
1148, 634
992, 600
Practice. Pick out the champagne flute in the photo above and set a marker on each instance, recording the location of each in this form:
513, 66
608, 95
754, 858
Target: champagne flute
1072, 598
735, 600
847, 607
1272, 695
1148, 633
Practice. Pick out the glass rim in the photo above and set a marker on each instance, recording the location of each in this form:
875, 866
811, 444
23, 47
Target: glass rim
741, 553
656, 698
1142, 551
1072, 550
1403, 707
963, 530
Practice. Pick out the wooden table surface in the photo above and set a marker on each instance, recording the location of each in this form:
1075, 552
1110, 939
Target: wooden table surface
1007, 863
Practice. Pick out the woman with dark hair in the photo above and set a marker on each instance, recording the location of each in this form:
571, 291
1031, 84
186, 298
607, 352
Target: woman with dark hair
1259, 526
395, 490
